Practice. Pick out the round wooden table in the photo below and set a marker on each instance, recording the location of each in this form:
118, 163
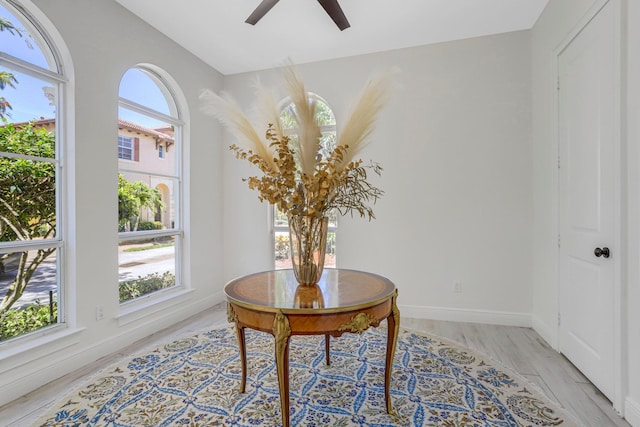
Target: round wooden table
342, 301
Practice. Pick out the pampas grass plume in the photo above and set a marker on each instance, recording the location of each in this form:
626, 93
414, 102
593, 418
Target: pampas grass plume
225, 109
266, 108
304, 112
360, 123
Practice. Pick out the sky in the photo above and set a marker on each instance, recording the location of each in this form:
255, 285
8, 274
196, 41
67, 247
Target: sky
34, 98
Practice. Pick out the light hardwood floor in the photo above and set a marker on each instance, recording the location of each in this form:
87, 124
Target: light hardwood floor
520, 349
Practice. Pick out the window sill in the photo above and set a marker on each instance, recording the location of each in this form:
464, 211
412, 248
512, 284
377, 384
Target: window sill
152, 304
37, 344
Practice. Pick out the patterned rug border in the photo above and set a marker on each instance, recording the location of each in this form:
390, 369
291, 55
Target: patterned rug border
561, 410
405, 332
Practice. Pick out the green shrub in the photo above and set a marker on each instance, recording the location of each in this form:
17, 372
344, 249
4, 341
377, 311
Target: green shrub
23, 321
131, 289
150, 225
142, 226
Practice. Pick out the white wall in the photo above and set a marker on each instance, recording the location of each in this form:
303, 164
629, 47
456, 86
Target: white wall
456, 150
103, 40
631, 9
559, 19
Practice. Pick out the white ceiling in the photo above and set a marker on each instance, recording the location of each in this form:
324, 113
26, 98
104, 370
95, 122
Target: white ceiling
301, 31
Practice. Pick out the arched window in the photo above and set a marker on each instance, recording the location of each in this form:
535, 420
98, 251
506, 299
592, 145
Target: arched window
327, 122
149, 184
31, 183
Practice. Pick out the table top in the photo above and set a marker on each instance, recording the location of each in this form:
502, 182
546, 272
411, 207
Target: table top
338, 290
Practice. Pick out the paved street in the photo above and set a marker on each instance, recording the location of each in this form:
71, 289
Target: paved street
132, 266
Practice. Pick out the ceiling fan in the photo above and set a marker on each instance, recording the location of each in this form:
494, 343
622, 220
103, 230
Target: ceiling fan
330, 6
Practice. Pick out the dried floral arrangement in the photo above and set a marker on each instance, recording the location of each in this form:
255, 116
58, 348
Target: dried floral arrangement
296, 176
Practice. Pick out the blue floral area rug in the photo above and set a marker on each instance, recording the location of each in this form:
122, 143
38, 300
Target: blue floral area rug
194, 382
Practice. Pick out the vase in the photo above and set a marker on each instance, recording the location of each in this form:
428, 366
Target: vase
308, 242
308, 296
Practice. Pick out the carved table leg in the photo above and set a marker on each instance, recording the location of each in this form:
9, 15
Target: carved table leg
232, 317
327, 341
243, 356
393, 326
282, 332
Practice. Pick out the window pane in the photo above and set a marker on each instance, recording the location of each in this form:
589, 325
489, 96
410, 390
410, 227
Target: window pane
141, 119
32, 139
333, 218
125, 148
28, 200
282, 250
324, 115
146, 266
327, 143
143, 88
280, 218
146, 202
287, 118
330, 257
142, 145
17, 41
35, 305
30, 99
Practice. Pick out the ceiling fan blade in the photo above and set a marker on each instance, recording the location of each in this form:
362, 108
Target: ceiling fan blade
335, 12
260, 11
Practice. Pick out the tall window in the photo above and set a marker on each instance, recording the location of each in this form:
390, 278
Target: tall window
149, 185
327, 122
31, 244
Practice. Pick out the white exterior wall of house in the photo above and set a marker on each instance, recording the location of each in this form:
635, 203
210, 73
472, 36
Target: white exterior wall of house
148, 160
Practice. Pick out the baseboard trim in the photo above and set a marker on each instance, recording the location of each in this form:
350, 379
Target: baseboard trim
545, 331
466, 315
632, 412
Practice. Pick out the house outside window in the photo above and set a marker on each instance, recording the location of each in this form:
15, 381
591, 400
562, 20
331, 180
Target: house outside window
327, 121
32, 185
149, 186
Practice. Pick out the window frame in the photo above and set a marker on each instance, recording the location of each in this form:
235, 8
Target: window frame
177, 231
56, 77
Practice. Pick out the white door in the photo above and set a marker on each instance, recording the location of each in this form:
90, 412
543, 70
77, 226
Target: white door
587, 205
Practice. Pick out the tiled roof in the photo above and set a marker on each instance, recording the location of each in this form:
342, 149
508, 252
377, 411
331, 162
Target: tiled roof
125, 124
122, 124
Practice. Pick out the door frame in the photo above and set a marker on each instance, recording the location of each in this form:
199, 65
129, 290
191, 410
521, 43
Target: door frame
619, 242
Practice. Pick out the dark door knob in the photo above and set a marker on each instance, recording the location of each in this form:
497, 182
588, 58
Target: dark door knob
602, 252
